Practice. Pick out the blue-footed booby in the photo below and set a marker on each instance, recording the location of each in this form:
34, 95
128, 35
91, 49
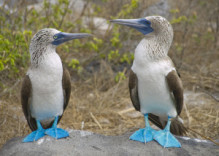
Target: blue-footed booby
155, 87
46, 87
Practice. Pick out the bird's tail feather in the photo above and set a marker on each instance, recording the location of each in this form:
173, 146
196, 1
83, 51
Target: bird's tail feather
177, 127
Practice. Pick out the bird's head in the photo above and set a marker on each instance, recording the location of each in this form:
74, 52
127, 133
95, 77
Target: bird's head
52, 37
46, 40
158, 35
151, 25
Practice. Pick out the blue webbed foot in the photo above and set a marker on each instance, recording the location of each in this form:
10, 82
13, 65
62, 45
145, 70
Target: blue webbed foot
166, 139
143, 135
35, 135
57, 133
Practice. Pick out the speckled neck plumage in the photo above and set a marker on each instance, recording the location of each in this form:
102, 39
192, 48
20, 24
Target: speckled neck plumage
157, 44
39, 47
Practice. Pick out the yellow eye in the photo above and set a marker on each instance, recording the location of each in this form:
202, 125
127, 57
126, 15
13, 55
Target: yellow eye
55, 37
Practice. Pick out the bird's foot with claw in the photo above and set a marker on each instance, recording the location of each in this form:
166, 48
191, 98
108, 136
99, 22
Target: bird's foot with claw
35, 135
166, 139
57, 133
143, 135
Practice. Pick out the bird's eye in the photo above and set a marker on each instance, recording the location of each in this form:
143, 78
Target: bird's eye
55, 37
149, 22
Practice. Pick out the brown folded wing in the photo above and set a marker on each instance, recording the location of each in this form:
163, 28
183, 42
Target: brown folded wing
133, 90
26, 94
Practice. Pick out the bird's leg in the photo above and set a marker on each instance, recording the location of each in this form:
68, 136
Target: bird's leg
35, 135
56, 132
145, 134
54, 125
165, 138
148, 132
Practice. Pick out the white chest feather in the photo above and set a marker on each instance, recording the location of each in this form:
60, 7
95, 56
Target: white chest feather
47, 94
154, 94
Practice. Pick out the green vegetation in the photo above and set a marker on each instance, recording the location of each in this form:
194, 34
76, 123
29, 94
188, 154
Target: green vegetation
17, 31
18, 27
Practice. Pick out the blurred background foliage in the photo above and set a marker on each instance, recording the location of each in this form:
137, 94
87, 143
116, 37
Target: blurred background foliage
108, 55
19, 25
195, 46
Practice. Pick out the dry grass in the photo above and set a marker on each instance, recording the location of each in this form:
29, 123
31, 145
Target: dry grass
102, 106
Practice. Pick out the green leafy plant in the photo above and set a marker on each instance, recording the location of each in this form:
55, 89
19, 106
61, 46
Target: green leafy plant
20, 24
127, 57
75, 64
14, 50
120, 76
113, 55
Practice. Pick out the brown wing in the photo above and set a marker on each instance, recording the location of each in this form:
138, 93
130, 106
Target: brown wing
175, 86
66, 85
133, 90
26, 93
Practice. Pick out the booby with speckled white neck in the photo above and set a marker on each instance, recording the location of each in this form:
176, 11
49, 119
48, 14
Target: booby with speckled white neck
155, 87
46, 87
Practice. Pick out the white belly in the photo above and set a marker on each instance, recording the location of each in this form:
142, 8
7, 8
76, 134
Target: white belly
47, 94
45, 105
153, 91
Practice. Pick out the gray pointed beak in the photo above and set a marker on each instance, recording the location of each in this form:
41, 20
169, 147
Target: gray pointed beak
64, 37
142, 25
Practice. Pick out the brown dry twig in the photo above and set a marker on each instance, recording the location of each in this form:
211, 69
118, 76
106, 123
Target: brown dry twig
203, 136
95, 120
